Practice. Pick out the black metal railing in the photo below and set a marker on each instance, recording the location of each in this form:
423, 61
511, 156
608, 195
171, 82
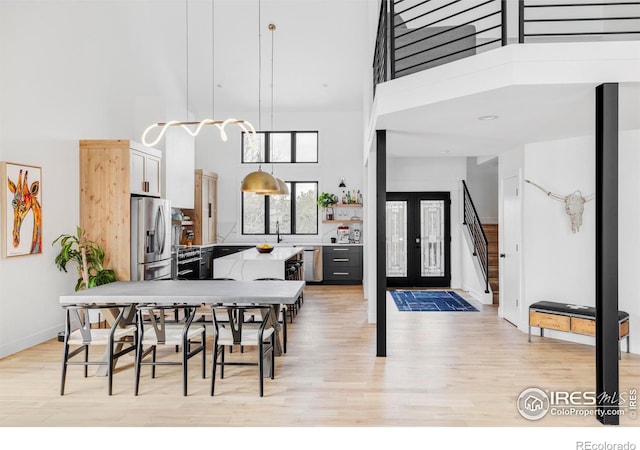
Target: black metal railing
478, 236
552, 21
380, 54
415, 35
430, 33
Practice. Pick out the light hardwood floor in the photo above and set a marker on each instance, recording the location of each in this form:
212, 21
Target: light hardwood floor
442, 369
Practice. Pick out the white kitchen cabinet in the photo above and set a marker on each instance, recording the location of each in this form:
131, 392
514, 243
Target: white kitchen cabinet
178, 161
145, 170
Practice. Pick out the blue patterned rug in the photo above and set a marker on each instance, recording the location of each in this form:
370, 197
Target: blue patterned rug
430, 301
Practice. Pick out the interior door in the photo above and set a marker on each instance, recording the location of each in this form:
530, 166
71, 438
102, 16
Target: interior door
510, 251
418, 239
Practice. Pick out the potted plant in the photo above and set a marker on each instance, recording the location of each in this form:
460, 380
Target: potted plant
326, 202
89, 257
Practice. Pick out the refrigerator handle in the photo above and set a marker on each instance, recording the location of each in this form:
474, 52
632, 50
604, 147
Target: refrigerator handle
160, 229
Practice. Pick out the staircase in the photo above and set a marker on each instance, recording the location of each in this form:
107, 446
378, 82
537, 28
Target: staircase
491, 231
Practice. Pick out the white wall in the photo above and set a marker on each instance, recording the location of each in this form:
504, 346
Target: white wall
482, 181
628, 226
558, 265
433, 174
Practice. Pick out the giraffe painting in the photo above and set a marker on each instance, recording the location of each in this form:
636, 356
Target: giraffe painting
20, 199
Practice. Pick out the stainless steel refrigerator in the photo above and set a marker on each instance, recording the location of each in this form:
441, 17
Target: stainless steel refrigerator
150, 239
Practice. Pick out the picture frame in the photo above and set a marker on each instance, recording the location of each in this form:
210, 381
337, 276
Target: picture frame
21, 204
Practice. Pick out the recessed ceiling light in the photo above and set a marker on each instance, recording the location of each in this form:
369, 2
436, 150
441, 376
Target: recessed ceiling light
488, 117
325, 85
444, 152
218, 85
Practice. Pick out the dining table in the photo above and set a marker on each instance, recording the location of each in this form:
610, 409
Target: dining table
192, 292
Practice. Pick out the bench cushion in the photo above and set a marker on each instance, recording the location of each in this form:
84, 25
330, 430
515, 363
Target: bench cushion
574, 310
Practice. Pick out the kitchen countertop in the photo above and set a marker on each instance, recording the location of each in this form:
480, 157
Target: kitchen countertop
249, 264
252, 254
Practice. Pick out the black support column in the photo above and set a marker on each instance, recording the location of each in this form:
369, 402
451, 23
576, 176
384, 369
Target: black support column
607, 382
381, 236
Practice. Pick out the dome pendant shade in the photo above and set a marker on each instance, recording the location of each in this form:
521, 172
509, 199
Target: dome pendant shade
260, 182
282, 187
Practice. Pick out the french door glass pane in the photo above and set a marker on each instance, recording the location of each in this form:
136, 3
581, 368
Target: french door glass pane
396, 238
432, 238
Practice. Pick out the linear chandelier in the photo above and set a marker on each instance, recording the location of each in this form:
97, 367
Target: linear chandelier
187, 126
194, 127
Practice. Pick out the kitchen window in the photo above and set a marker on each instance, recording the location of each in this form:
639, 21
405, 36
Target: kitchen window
296, 213
281, 147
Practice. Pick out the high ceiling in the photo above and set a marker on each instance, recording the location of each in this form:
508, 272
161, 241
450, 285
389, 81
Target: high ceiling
321, 53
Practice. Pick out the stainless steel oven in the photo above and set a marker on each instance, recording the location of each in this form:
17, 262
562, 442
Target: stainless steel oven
188, 263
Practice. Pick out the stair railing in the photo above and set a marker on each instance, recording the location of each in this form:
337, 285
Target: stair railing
478, 236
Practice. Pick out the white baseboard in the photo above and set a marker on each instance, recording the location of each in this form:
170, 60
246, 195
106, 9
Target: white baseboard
481, 296
9, 348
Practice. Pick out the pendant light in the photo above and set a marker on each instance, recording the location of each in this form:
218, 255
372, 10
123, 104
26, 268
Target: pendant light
194, 127
282, 186
260, 182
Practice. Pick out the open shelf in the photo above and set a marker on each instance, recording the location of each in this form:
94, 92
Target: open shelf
343, 221
347, 205
182, 222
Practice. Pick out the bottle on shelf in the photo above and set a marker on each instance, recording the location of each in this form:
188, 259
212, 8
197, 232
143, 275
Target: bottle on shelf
344, 198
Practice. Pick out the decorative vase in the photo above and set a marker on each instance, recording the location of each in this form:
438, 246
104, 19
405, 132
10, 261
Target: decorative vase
329, 213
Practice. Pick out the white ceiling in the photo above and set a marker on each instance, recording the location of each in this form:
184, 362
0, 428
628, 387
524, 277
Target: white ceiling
525, 114
320, 53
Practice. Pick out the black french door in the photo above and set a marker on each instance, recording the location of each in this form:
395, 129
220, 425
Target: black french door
418, 243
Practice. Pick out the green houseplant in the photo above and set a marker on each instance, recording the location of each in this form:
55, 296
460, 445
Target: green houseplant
89, 257
326, 201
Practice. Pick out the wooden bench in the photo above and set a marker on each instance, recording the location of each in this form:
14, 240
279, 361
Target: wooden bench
569, 318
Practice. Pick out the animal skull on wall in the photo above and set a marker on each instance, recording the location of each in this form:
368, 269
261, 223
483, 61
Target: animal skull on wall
573, 205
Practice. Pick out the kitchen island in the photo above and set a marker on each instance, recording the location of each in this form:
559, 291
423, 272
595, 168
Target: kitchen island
250, 264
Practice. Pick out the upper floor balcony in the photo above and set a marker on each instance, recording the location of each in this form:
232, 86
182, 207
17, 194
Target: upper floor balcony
416, 35
442, 66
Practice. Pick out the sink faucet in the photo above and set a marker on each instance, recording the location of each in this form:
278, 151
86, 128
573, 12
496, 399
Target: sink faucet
278, 237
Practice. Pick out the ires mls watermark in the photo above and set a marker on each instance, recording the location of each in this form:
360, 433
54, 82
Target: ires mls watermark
534, 403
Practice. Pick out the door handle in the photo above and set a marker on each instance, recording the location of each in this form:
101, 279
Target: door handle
502, 255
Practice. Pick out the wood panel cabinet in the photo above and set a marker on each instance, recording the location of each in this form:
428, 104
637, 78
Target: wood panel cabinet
205, 211
105, 197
